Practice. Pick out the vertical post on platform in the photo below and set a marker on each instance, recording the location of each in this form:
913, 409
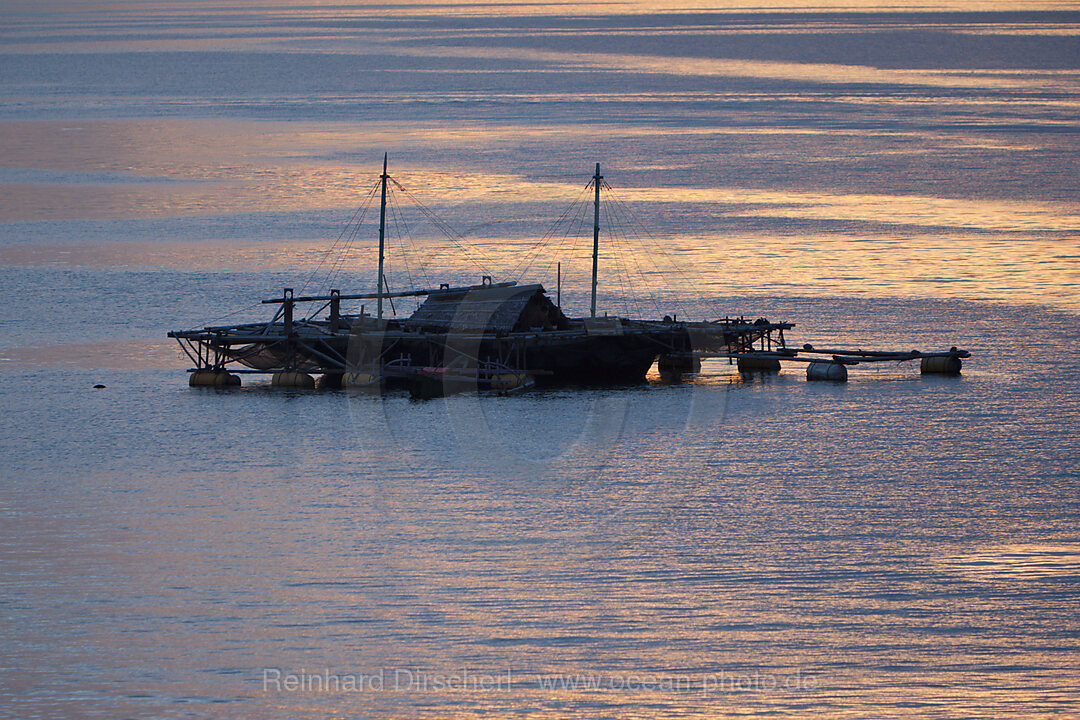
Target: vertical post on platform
287, 303
335, 309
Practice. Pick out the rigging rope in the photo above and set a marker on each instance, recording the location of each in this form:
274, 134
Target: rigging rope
619, 226
643, 234
362, 212
621, 247
626, 234
343, 256
398, 224
459, 242
234, 313
532, 253
621, 277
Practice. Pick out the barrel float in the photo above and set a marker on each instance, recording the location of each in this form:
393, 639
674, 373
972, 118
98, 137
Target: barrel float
210, 378
359, 379
293, 380
679, 363
504, 382
826, 371
941, 365
758, 365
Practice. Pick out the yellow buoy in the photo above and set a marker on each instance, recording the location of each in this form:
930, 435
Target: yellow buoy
293, 380
358, 379
209, 378
505, 382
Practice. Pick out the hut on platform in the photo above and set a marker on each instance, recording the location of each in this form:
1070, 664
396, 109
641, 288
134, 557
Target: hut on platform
491, 309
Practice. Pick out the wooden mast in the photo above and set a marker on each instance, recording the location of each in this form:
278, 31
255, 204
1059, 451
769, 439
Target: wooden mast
595, 236
558, 286
382, 237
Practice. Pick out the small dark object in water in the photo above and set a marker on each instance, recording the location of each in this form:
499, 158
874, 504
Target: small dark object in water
808, 347
941, 365
98, 386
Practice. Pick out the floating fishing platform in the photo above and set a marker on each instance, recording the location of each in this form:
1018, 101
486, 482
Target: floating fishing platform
495, 336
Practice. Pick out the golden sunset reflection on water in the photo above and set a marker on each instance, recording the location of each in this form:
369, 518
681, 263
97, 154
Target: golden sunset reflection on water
904, 244
1017, 562
944, 266
765, 70
307, 9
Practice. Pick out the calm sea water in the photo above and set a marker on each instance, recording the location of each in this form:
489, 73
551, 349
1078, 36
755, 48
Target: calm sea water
895, 546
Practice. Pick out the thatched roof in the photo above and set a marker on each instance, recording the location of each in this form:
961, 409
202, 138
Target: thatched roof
486, 309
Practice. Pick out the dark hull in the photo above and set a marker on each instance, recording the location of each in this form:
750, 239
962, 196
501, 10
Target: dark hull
593, 360
551, 358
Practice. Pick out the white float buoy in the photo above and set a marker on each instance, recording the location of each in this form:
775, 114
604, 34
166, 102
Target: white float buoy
833, 371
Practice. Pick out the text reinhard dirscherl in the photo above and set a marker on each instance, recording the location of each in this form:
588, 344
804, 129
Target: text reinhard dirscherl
417, 680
